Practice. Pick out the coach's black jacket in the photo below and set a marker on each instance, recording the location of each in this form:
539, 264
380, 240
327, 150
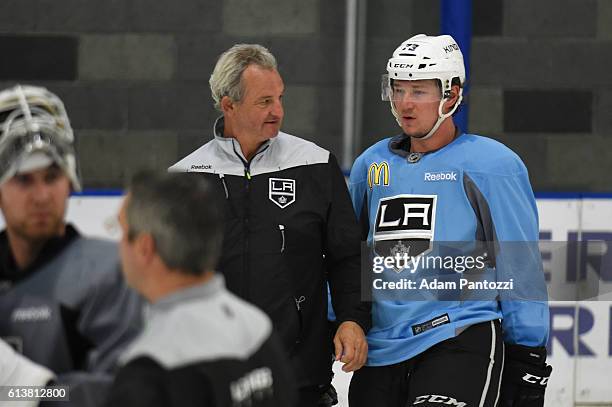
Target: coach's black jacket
289, 228
203, 346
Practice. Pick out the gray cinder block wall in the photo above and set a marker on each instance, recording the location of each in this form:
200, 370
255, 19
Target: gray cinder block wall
134, 75
541, 85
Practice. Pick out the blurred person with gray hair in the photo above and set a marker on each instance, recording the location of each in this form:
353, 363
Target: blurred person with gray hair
63, 303
203, 346
289, 224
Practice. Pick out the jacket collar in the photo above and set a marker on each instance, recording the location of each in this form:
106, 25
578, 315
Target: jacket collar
202, 291
52, 248
230, 145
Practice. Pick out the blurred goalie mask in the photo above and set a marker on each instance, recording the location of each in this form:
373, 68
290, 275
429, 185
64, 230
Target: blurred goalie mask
34, 133
426, 57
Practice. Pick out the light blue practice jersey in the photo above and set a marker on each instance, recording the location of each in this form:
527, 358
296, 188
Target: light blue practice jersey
472, 190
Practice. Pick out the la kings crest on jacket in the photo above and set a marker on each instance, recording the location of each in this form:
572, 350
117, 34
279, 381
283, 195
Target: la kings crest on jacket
282, 191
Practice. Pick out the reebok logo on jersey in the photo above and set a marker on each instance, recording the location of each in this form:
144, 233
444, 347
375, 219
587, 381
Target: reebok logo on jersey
441, 176
31, 314
200, 167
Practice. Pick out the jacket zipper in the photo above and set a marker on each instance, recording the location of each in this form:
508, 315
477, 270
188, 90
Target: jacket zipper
298, 308
222, 177
245, 221
282, 232
231, 206
245, 225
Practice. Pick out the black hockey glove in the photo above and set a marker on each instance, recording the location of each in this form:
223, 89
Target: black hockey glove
525, 376
329, 398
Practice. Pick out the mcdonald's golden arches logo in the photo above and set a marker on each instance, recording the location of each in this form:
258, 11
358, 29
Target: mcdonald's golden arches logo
376, 172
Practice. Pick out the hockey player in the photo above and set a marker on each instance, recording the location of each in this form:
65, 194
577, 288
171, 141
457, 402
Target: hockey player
289, 225
434, 183
63, 302
203, 346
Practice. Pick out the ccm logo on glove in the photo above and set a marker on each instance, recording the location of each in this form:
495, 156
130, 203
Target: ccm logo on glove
529, 378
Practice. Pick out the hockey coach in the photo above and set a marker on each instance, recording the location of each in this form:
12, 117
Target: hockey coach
289, 224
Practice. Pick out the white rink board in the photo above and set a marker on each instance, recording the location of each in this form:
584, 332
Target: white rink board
594, 383
580, 346
582, 363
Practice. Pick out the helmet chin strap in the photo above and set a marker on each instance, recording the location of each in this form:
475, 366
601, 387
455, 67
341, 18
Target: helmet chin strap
441, 116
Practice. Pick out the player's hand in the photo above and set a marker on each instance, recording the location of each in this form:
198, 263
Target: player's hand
350, 345
525, 376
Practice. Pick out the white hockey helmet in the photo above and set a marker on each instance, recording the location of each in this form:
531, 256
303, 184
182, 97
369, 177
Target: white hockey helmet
35, 132
426, 57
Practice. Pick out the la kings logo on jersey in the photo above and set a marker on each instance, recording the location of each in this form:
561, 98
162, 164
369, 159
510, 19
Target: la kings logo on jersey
281, 191
405, 224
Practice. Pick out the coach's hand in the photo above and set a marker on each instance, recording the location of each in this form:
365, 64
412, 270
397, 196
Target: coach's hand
351, 347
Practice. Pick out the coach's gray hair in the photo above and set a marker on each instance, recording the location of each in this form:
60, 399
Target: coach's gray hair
182, 214
226, 79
